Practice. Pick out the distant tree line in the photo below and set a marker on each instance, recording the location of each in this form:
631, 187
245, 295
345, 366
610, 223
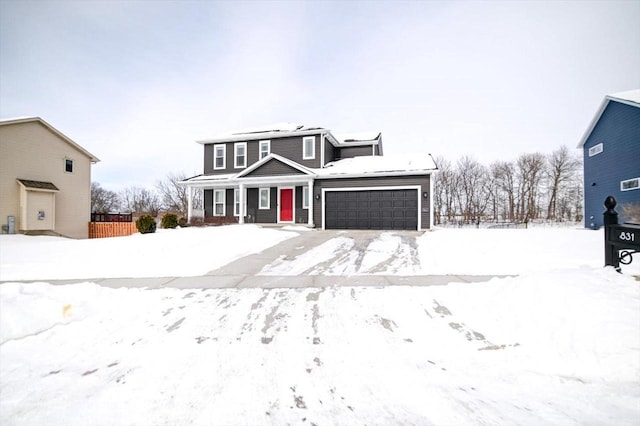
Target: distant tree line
166, 196
533, 187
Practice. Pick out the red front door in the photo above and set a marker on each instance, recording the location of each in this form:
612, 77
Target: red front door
286, 205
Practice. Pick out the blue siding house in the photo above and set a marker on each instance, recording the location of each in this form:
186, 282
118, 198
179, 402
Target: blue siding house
611, 148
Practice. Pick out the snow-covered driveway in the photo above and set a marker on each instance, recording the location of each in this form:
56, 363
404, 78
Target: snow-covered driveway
504, 352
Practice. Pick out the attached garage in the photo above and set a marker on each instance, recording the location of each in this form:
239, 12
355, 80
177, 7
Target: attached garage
372, 208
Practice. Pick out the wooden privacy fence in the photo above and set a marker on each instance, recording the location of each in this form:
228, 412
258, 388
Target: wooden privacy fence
111, 229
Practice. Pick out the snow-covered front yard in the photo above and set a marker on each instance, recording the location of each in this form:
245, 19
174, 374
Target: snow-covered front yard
558, 344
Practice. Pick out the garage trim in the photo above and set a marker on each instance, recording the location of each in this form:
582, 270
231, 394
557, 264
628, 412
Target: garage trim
417, 188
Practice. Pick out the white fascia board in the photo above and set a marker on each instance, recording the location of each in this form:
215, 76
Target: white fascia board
593, 123
378, 174
260, 136
249, 182
603, 106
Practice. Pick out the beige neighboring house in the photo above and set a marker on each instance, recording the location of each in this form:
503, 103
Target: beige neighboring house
45, 180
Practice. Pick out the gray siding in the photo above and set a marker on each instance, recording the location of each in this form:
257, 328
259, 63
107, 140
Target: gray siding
301, 215
290, 147
329, 152
355, 151
254, 214
274, 168
423, 181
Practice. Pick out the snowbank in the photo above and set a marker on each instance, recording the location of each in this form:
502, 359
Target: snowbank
167, 253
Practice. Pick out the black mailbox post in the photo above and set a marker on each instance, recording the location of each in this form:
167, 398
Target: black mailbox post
620, 241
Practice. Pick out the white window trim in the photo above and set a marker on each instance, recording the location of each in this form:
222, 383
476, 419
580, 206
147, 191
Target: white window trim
260, 144
235, 155
224, 156
311, 156
224, 201
622, 182
260, 206
305, 199
236, 202
596, 149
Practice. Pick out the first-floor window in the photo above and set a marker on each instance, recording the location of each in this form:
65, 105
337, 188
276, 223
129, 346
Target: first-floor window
305, 197
630, 184
236, 202
218, 202
264, 199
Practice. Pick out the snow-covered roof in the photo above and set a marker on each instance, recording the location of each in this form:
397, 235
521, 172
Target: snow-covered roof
391, 165
346, 138
629, 97
264, 132
57, 132
278, 130
388, 164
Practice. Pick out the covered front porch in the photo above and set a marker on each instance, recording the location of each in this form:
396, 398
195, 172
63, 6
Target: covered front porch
267, 200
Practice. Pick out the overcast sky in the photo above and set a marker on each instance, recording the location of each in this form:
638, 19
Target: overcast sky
137, 82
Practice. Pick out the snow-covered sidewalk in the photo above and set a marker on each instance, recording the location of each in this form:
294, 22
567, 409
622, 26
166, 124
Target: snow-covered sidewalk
541, 349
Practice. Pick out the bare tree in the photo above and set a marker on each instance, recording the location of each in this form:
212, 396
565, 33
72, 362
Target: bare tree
561, 168
103, 200
472, 183
139, 201
174, 197
530, 171
503, 175
444, 186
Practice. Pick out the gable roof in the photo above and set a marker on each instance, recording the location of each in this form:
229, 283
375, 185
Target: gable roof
388, 165
630, 97
53, 130
275, 157
38, 185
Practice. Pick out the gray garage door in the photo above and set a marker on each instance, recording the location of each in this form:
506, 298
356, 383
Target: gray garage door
372, 209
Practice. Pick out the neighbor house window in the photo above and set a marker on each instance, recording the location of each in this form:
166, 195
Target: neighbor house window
236, 202
308, 148
630, 184
218, 202
240, 155
305, 197
68, 166
596, 149
219, 156
265, 202
265, 148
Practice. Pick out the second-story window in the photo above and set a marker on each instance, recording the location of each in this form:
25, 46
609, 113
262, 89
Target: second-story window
265, 148
240, 155
308, 148
219, 155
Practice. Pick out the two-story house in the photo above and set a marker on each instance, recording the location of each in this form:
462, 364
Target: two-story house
45, 180
611, 147
290, 173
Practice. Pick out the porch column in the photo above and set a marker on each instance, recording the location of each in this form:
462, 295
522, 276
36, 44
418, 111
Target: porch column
311, 200
241, 201
189, 203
